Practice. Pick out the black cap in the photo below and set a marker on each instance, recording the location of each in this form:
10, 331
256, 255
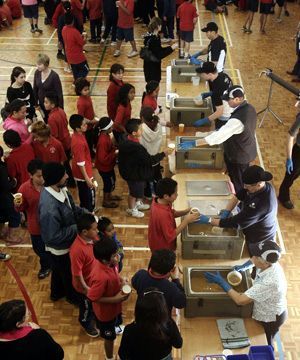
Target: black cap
53, 172
211, 26
206, 68
233, 92
268, 250
255, 174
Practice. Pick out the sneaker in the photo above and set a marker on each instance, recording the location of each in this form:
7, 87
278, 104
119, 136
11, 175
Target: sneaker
4, 257
113, 43
92, 331
40, 31
117, 53
32, 30
93, 41
244, 29
102, 41
279, 20
225, 10
165, 40
249, 31
287, 204
141, 206
60, 56
286, 13
67, 69
132, 54
42, 274
135, 213
119, 329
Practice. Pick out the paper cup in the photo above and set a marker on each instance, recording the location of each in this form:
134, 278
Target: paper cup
95, 183
17, 196
181, 128
195, 210
126, 289
171, 146
227, 352
195, 80
198, 100
234, 278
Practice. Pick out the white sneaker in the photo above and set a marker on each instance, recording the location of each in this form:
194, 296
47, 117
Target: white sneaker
135, 213
165, 40
102, 41
113, 43
132, 54
119, 329
117, 53
67, 69
141, 206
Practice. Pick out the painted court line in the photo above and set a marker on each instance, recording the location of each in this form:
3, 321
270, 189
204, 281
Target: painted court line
51, 37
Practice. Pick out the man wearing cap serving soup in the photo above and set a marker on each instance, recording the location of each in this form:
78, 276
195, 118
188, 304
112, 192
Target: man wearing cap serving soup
258, 209
268, 292
237, 136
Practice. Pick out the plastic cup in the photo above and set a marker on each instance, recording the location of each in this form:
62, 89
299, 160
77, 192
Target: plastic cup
195, 210
198, 100
181, 128
227, 352
234, 278
95, 183
195, 80
126, 289
18, 198
171, 146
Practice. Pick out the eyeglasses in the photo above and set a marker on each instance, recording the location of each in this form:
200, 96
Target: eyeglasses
153, 292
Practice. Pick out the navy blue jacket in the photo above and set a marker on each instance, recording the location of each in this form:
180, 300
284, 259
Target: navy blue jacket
257, 217
169, 8
173, 290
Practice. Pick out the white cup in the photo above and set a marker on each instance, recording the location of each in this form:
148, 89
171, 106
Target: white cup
195, 80
234, 278
171, 146
195, 210
126, 289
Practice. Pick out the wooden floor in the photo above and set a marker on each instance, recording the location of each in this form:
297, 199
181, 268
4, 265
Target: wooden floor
248, 55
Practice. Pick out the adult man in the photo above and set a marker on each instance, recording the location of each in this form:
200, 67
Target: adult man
258, 209
268, 292
216, 49
237, 136
218, 83
292, 162
58, 214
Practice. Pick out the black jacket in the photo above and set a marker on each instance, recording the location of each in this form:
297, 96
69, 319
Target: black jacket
6, 186
135, 163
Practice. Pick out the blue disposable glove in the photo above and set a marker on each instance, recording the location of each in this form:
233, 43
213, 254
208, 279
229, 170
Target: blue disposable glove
195, 61
247, 265
203, 219
202, 122
198, 53
187, 145
206, 94
224, 214
216, 278
289, 166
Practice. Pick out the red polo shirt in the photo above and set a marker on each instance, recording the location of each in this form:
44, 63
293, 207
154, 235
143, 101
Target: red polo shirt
81, 155
17, 162
85, 107
105, 283
31, 198
125, 21
150, 101
74, 42
82, 260
162, 227
95, 9
105, 153
186, 14
123, 114
53, 151
58, 123
112, 92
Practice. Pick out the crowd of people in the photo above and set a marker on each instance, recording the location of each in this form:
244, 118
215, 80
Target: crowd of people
51, 151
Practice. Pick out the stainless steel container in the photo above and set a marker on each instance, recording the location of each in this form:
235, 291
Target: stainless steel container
205, 299
204, 241
182, 71
203, 157
185, 111
208, 188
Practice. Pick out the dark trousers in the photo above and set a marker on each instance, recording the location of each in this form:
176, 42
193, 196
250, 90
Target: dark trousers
138, 8
151, 186
86, 315
95, 27
284, 190
168, 28
86, 196
80, 70
160, 8
50, 6
90, 139
111, 26
67, 166
235, 172
61, 278
272, 328
38, 247
296, 69
148, 11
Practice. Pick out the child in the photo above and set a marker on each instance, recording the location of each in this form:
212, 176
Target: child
162, 231
45, 146
18, 158
85, 108
81, 163
110, 12
150, 96
106, 155
135, 166
115, 83
169, 13
15, 8
105, 292
252, 9
82, 263
264, 9
106, 229
31, 190
95, 14
31, 12
187, 15
16, 120
58, 123
212, 5
123, 114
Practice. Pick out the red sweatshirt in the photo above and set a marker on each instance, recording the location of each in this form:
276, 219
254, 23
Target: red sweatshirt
105, 153
112, 92
58, 124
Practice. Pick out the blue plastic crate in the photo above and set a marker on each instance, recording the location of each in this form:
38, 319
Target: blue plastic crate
238, 357
261, 353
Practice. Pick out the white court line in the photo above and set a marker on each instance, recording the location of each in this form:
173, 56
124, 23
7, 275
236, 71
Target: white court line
29, 246
29, 72
51, 37
227, 31
131, 226
22, 44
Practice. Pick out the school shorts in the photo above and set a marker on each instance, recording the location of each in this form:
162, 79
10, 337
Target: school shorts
280, 3
187, 36
125, 34
31, 11
252, 5
107, 328
136, 188
80, 70
109, 180
265, 8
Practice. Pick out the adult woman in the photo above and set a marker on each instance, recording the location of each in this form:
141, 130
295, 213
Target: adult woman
21, 89
20, 339
152, 70
46, 80
153, 333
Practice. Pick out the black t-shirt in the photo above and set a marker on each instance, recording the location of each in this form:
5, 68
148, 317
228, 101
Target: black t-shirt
215, 48
295, 129
24, 93
217, 87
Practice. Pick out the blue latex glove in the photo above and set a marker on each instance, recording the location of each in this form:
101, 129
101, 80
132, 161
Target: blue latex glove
203, 219
198, 53
289, 166
224, 214
206, 94
247, 265
195, 61
187, 145
216, 278
202, 122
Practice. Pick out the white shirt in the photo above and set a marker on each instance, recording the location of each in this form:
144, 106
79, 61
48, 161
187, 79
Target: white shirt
268, 293
232, 127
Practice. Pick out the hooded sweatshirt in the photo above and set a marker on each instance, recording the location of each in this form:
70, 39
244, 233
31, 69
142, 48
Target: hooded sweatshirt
151, 139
